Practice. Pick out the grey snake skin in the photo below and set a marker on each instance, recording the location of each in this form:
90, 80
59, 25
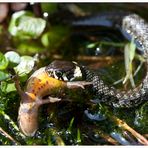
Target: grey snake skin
134, 26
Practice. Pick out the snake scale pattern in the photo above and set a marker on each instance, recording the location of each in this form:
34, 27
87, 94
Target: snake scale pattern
136, 27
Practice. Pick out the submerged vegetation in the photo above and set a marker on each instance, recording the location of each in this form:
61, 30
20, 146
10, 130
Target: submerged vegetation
40, 33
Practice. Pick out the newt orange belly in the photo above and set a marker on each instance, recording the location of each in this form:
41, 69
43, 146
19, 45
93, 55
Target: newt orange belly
39, 85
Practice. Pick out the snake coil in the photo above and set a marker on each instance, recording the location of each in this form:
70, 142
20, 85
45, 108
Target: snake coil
136, 27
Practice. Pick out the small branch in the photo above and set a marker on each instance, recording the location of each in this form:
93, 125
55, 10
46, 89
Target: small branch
8, 136
37, 9
129, 137
108, 138
12, 125
124, 125
146, 135
91, 58
15, 78
97, 58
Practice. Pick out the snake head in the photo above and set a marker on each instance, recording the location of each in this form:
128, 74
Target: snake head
64, 70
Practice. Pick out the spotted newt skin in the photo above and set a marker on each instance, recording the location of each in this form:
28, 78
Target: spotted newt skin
41, 84
38, 86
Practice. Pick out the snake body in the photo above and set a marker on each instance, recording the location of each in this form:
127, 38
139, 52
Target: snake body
137, 28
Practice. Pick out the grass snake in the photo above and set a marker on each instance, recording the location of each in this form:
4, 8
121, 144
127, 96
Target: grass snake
130, 25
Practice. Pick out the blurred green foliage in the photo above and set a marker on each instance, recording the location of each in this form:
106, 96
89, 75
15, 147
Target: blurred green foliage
141, 118
53, 38
3, 62
25, 26
49, 7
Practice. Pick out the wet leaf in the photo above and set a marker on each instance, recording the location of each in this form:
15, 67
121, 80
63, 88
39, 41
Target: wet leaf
13, 58
3, 75
26, 65
91, 45
26, 26
3, 86
3, 62
78, 136
13, 25
10, 88
132, 47
98, 116
119, 137
31, 27
70, 125
129, 53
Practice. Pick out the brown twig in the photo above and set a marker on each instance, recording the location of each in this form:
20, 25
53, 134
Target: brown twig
91, 58
129, 137
108, 138
8, 136
146, 135
37, 9
98, 58
15, 78
124, 125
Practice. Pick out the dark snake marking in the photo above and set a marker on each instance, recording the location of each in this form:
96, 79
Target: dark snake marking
130, 25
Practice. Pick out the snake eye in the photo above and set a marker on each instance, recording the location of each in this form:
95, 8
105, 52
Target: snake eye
59, 74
